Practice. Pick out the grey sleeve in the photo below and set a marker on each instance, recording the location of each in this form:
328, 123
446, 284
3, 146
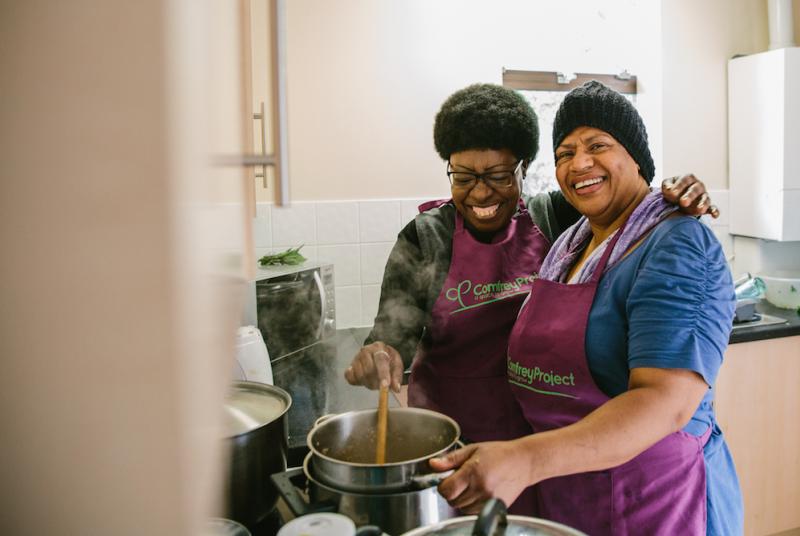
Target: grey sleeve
401, 309
551, 212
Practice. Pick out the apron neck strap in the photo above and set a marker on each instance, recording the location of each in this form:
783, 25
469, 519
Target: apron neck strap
601, 265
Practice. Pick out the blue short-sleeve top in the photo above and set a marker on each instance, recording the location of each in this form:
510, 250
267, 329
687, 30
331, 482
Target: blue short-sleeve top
670, 304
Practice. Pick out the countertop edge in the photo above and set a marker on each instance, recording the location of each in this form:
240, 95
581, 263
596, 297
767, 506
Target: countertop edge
775, 331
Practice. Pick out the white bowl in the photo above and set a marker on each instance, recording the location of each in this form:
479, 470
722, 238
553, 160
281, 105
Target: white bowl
783, 289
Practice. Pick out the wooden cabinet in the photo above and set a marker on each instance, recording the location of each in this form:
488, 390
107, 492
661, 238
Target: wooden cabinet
758, 407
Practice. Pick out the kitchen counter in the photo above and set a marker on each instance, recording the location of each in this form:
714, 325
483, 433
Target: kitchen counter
774, 331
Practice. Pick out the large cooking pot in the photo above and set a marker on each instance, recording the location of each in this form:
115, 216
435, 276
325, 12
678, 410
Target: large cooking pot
343, 450
494, 521
257, 432
394, 513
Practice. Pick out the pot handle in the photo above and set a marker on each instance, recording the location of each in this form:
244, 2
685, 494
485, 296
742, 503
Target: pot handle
287, 490
430, 479
322, 419
492, 519
369, 530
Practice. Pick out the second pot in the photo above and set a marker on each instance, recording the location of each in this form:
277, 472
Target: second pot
257, 427
343, 450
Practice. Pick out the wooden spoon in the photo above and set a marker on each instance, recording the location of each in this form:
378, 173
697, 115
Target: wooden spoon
383, 415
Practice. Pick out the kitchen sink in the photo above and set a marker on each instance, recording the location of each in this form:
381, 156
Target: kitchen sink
760, 319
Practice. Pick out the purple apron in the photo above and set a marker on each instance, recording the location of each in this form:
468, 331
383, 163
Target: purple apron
660, 491
463, 372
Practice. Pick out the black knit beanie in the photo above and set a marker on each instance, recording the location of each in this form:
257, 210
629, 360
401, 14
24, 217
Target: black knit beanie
596, 105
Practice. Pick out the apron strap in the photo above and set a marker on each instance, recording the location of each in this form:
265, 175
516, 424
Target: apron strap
523, 210
436, 203
601, 266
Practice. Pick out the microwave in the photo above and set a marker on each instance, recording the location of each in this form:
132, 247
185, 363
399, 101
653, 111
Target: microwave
294, 307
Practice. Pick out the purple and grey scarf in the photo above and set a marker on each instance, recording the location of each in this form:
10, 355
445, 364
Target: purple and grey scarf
571, 243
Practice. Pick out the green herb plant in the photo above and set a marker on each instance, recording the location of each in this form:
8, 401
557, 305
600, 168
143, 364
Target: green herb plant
291, 256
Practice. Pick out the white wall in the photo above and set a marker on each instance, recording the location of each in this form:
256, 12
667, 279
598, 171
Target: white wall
366, 78
698, 40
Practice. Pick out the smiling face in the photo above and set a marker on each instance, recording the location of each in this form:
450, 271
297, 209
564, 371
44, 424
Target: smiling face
597, 175
484, 208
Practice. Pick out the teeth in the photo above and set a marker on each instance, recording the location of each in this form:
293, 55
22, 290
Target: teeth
588, 182
485, 212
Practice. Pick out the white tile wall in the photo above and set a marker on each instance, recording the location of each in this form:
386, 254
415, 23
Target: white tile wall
370, 295
348, 306
356, 236
408, 209
379, 221
294, 225
262, 231
263, 210
346, 259
373, 261
337, 223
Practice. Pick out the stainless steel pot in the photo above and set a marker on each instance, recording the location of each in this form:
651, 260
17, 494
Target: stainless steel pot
257, 432
343, 450
494, 521
394, 513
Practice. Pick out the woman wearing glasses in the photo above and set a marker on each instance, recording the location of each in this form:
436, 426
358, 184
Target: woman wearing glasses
459, 272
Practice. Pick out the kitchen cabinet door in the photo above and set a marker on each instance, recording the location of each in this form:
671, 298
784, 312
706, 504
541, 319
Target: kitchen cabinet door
121, 262
758, 408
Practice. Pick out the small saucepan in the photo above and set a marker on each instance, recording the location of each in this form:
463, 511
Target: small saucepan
343, 450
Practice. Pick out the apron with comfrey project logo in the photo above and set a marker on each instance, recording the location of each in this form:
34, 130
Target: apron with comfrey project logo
461, 368
660, 491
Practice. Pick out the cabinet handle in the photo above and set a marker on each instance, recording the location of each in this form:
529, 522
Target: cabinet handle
279, 159
239, 160
261, 116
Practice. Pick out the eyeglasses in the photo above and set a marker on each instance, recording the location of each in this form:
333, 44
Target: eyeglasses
497, 180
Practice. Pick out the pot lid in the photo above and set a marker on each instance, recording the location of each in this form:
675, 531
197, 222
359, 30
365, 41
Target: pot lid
217, 526
517, 526
251, 405
494, 521
319, 524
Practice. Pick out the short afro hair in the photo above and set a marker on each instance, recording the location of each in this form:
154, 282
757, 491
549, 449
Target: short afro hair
486, 116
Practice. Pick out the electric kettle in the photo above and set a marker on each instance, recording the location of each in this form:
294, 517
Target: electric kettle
252, 358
